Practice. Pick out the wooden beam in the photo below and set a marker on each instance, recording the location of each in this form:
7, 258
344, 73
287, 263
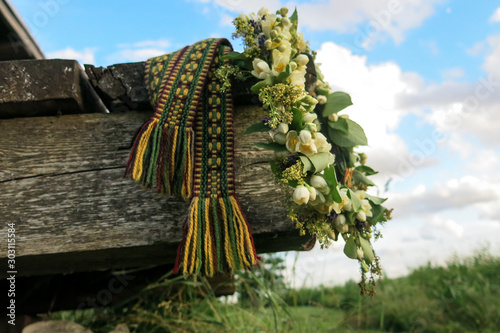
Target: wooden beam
61, 184
45, 88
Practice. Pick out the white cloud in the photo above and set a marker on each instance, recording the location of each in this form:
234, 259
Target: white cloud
496, 16
450, 195
452, 73
374, 90
139, 51
448, 225
371, 20
476, 49
492, 60
87, 56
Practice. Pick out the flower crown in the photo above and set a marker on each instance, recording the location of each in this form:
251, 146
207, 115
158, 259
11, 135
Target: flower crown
313, 145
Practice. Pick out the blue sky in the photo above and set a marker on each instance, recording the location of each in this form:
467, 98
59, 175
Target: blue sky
424, 77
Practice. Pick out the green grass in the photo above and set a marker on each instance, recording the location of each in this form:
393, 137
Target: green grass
462, 297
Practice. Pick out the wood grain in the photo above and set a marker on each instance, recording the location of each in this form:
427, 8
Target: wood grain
61, 184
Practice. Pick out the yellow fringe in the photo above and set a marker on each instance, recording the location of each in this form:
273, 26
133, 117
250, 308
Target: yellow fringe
192, 234
209, 263
141, 149
243, 237
187, 185
227, 242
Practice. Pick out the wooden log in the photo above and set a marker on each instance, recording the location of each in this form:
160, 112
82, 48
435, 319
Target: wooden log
121, 86
45, 88
61, 184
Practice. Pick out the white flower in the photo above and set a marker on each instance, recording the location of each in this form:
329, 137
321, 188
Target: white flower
263, 11
340, 224
268, 24
318, 182
301, 60
261, 69
301, 42
321, 99
366, 207
292, 139
283, 128
280, 61
309, 118
280, 138
321, 144
345, 204
333, 117
301, 195
297, 79
332, 158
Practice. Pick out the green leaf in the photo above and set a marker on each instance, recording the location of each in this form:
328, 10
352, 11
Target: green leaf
308, 166
350, 248
322, 91
271, 146
261, 84
367, 250
257, 127
375, 200
320, 161
295, 17
340, 124
331, 180
356, 202
366, 170
296, 120
336, 102
378, 214
358, 177
234, 55
354, 137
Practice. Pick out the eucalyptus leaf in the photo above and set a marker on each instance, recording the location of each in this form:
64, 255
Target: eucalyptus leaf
378, 214
354, 137
331, 180
375, 200
340, 124
296, 124
234, 55
320, 161
295, 17
358, 177
336, 102
356, 202
350, 248
367, 250
257, 127
261, 84
366, 170
271, 146
308, 166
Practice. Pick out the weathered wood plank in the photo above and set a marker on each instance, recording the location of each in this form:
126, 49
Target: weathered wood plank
61, 183
45, 88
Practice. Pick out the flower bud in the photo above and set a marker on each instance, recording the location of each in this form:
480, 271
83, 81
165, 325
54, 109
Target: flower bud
312, 193
283, 128
333, 117
309, 118
284, 11
321, 99
268, 44
360, 254
318, 182
301, 195
279, 138
305, 136
286, 22
293, 65
362, 158
274, 33
311, 128
361, 215
282, 48
302, 60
